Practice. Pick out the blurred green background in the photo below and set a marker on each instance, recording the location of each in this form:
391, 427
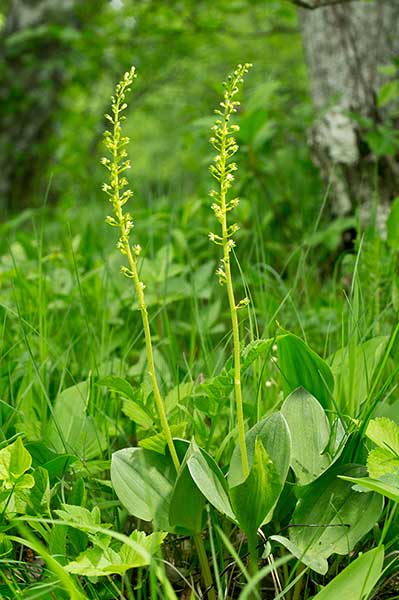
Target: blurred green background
60, 69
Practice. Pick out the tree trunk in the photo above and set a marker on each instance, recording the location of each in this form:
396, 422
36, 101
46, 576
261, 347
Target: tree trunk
345, 44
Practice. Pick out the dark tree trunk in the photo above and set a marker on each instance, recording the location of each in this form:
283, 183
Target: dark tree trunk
37, 54
345, 44
30, 83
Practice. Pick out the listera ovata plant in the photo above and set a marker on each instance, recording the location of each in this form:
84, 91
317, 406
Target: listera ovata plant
222, 170
119, 193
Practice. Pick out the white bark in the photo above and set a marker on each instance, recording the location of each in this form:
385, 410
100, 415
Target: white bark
344, 45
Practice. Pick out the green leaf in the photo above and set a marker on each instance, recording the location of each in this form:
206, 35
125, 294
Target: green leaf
383, 141
314, 562
387, 93
390, 70
256, 349
274, 433
331, 517
39, 495
15, 483
58, 466
310, 434
55, 464
6, 546
120, 385
302, 367
70, 429
253, 499
219, 388
357, 580
187, 503
97, 562
77, 494
78, 515
149, 543
376, 485
143, 481
137, 414
14, 461
209, 479
157, 442
57, 542
385, 434
177, 394
381, 462
354, 368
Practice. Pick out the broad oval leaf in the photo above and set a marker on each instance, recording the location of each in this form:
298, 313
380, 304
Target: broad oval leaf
314, 562
301, 366
331, 517
187, 502
274, 433
71, 429
143, 480
310, 434
254, 499
148, 486
210, 480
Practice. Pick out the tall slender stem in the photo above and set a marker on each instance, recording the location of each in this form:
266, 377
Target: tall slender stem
150, 358
222, 170
204, 564
116, 143
236, 347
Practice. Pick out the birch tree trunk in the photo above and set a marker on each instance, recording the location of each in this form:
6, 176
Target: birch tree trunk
345, 44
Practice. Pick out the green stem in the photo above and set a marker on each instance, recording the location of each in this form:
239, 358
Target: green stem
150, 358
237, 369
233, 306
253, 561
253, 555
296, 594
204, 564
